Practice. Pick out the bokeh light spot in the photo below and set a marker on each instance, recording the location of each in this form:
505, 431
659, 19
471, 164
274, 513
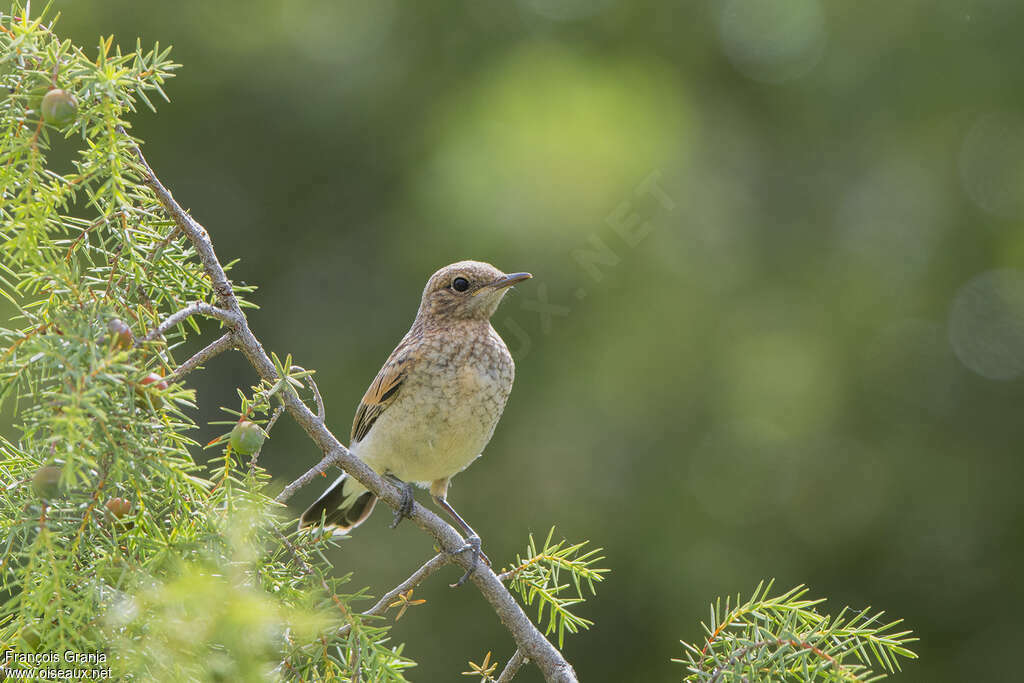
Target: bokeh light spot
549, 142
782, 377
986, 324
889, 222
992, 164
566, 10
772, 40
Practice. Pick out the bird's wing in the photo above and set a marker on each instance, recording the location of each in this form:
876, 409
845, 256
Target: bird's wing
383, 390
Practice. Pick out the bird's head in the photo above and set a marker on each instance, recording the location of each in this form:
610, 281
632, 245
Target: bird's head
467, 290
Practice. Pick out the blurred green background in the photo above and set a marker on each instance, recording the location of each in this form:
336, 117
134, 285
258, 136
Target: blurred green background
777, 322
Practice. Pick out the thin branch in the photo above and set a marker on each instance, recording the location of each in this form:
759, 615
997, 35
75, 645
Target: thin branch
548, 659
196, 233
270, 425
512, 668
325, 464
416, 578
213, 349
197, 308
321, 412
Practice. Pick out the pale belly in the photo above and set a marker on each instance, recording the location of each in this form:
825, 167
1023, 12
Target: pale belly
435, 429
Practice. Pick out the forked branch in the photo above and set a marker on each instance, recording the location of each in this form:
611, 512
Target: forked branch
197, 308
215, 348
528, 638
416, 578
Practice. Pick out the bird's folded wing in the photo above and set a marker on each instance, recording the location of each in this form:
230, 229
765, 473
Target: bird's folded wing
382, 392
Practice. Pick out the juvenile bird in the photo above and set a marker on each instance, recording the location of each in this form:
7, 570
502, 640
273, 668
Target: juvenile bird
434, 405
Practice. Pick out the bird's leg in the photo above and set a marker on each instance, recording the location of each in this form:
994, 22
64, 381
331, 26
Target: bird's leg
472, 540
404, 508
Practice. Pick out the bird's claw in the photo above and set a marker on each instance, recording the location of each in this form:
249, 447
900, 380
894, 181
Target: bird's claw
404, 508
473, 545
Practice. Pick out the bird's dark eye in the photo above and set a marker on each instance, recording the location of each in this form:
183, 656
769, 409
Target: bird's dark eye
460, 284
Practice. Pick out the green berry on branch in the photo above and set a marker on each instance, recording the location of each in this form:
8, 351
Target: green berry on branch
246, 438
46, 481
120, 334
59, 107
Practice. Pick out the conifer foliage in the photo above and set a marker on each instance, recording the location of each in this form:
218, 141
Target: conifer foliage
112, 538
114, 542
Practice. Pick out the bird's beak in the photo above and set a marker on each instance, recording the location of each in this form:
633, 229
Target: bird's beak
507, 281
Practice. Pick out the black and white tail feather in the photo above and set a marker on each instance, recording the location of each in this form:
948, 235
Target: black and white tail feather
343, 506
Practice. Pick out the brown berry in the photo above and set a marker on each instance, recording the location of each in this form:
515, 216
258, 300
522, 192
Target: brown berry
146, 386
120, 334
119, 507
59, 107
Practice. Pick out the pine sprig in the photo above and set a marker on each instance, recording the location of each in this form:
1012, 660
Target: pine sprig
785, 638
538, 579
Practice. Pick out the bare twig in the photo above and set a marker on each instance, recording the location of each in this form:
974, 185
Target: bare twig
528, 638
416, 578
325, 464
214, 348
512, 668
321, 412
197, 308
270, 425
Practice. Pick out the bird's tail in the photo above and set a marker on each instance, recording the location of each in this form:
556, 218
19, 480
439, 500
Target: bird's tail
342, 507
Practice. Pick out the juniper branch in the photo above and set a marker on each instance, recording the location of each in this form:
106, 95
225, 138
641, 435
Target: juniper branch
512, 668
321, 412
548, 659
742, 652
270, 425
416, 578
786, 636
308, 570
197, 308
214, 348
291, 489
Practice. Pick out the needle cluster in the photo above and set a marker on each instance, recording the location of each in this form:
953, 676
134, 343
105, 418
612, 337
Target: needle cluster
786, 638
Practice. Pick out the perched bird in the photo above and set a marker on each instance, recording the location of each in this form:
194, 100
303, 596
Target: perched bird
434, 405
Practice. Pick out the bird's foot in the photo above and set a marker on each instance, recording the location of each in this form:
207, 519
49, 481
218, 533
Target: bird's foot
472, 545
404, 508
